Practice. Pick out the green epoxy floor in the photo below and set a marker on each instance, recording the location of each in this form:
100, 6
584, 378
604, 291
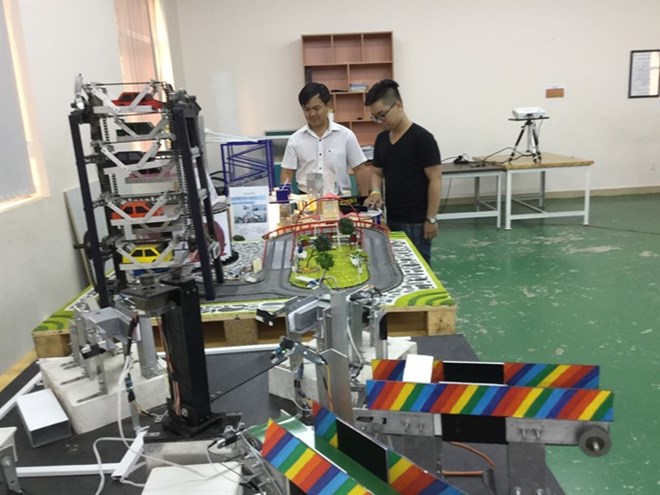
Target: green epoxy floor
557, 291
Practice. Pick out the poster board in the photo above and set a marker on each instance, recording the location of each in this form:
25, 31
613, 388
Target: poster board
249, 211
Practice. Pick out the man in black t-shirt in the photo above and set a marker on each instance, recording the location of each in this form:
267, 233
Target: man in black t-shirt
407, 157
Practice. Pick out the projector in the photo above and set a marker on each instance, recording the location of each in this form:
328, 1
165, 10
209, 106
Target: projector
528, 113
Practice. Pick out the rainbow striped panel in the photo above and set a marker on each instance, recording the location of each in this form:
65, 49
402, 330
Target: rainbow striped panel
515, 374
306, 468
410, 479
551, 375
325, 424
404, 476
392, 369
491, 400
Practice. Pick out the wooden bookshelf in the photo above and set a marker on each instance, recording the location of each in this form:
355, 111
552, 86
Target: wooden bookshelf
342, 60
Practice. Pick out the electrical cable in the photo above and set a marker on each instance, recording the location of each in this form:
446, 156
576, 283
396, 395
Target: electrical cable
257, 456
355, 347
122, 438
124, 476
170, 370
632, 231
485, 159
297, 385
443, 206
22, 491
224, 474
477, 452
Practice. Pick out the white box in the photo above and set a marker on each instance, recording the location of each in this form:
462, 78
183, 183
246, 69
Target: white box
43, 417
7, 439
206, 480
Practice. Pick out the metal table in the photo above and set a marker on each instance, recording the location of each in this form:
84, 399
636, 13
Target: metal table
481, 208
547, 163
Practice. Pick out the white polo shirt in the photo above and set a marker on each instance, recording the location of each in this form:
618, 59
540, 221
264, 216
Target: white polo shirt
332, 155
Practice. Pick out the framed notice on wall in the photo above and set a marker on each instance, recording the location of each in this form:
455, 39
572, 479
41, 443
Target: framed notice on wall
644, 79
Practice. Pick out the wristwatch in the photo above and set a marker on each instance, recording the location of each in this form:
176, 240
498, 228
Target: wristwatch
431, 220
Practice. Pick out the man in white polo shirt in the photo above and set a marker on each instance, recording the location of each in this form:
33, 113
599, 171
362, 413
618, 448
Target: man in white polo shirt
323, 147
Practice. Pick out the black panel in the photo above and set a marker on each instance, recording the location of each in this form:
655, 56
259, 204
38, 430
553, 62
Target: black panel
363, 450
182, 327
382, 328
294, 490
474, 372
480, 429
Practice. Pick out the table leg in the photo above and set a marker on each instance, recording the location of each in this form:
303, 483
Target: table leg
498, 197
587, 194
507, 195
477, 193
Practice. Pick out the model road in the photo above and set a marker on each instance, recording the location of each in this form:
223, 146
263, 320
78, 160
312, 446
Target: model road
273, 280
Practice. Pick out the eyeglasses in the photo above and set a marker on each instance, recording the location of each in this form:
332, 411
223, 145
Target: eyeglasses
380, 117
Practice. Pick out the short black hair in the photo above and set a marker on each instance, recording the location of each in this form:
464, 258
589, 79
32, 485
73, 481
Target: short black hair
386, 89
314, 89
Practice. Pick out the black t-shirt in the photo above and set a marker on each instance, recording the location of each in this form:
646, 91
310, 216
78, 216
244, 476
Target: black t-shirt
403, 165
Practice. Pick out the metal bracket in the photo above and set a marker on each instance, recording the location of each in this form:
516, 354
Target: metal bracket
8, 475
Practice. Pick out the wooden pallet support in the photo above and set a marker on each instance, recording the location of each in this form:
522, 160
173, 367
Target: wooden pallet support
241, 331
244, 329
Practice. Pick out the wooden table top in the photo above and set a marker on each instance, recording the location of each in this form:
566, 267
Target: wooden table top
451, 168
548, 160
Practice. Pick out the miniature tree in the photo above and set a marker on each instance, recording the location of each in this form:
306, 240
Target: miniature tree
326, 261
346, 226
322, 243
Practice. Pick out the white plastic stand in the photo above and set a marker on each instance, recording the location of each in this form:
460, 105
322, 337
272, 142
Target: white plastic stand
281, 378
87, 414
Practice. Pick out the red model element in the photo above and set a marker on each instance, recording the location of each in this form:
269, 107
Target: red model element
126, 98
136, 209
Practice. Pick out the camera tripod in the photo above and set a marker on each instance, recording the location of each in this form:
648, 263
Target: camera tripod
532, 138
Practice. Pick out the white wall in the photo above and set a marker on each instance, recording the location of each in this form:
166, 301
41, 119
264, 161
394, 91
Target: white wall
462, 66
39, 270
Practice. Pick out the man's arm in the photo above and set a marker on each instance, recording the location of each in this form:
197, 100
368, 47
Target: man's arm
286, 175
289, 165
375, 199
434, 175
362, 175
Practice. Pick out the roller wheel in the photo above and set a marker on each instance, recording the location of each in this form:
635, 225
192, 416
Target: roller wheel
594, 441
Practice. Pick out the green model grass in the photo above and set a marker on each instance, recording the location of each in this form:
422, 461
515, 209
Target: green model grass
341, 275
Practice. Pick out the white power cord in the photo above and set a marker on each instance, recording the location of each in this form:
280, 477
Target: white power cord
122, 438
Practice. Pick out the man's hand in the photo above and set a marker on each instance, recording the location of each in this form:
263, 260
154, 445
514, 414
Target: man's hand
374, 200
430, 230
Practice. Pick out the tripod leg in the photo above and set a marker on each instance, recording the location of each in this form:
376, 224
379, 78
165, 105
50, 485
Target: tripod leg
515, 146
535, 140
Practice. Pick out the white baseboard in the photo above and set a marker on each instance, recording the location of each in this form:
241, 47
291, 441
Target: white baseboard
619, 191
